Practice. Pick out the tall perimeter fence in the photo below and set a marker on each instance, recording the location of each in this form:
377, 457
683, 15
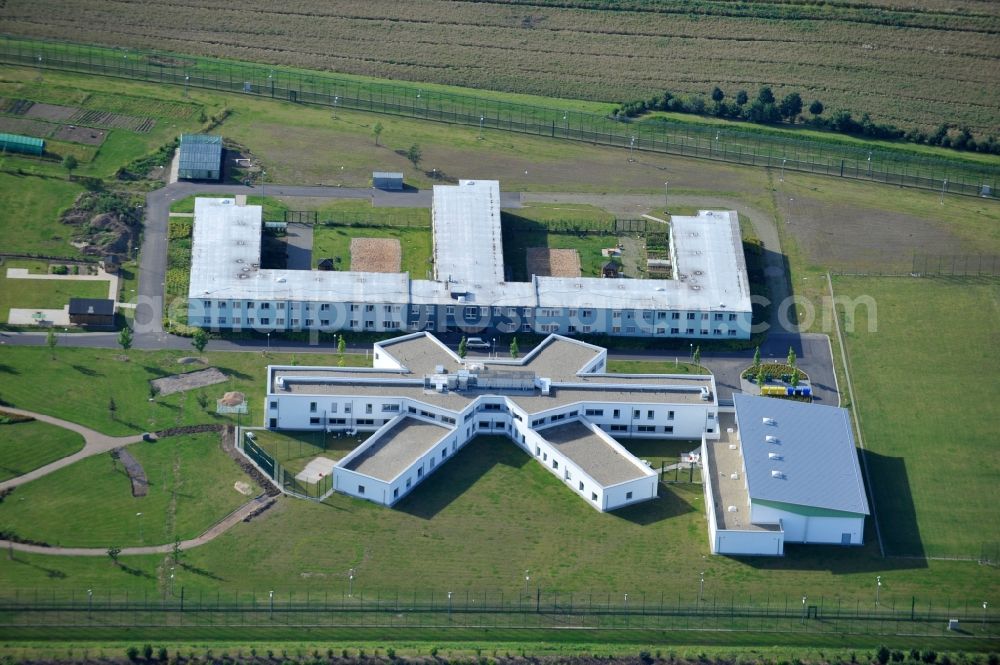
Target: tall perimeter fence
412, 101
349, 604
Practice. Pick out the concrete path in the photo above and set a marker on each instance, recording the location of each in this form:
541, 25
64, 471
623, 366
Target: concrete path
95, 444
211, 534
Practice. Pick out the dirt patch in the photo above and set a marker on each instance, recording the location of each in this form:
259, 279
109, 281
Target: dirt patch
851, 238
26, 127
108, 120
140, 485
243, 488
85, 135
546, 262
176, 383
375, 255
50, 112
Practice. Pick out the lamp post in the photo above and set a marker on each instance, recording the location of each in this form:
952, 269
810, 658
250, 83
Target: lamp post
449, 606
701, 586
691, 345
803, 609
631, 149
350, 580
90, 602
187, 80
482, 119
665, 208
270, 81
270, 614
139, 517
171, 581
268, 341
494, 347
944, 186
985, 604
336, 98
263, 180
878, 588
527, 578
869, 164
781, 178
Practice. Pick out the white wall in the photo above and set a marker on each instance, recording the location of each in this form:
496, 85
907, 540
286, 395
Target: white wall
762, 543
810, 529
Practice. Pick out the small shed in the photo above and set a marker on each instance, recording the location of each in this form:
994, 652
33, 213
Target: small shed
610, 269
200, 157
92, 312
27, 145
111, 264
326, 264
387, 180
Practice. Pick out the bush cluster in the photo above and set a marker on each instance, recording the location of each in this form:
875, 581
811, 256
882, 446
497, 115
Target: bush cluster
766, 109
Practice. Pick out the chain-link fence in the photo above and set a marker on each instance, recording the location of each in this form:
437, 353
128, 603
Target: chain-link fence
351, 605
755, 148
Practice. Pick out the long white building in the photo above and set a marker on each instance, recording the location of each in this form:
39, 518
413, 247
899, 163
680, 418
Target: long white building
423, 403
708, 298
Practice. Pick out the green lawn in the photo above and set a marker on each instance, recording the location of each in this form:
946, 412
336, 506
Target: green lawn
32, 206
88, 378
295, 449
563, 212
675, 366
922, 383
90, 503
351, 210
28, 445
515, 244
42, 294
335, 241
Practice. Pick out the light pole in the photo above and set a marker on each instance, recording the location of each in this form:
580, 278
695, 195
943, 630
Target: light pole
803, 609
270, 614
171, 581
869, 164
449, 606
781, 178
139, 517
187, 80
482, 119
985, 604
90, 602
336, 98
665, 208
350, 580
270, 81
791, 201
527, 578
268, 342
494, 347
631, 149
691, 345
701, 586
878, 588
263, 180
944, 186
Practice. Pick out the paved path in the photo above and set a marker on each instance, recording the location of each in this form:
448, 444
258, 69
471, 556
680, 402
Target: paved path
211, 534
95, 444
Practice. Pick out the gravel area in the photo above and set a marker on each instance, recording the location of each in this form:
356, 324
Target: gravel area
375, 255
181, 382
546, 262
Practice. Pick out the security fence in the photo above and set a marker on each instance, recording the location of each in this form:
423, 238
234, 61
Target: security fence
737, 146
347, 603
283, 478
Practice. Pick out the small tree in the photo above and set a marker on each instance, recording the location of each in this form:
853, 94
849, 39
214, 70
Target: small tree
69, 163
790, 106
794, 381
125, 339
463, 347
756, 357
147, 651
114, 551
51, 341
882, 655
717, 94
742, 98
761, 377
112, 407
202, 400
515, 351
153, 391
816, 108
765, 96
377, 131
200, 339
414, 155
791, 357
697, 355
341, 346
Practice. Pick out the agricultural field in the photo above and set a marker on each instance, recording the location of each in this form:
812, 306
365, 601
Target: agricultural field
932, 481
592, 50
25, 446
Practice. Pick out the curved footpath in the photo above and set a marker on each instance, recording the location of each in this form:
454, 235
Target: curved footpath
96, 444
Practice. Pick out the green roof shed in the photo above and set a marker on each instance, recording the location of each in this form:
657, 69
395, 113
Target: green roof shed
28, 145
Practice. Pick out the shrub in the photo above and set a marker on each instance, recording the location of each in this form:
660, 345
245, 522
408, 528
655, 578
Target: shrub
60, 270
132, 653
929, 656
161, 654
882, 655
147, 651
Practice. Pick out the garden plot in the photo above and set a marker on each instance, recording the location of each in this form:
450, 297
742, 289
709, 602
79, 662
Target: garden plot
26, 127
108, 120
375, 255
53, 112
169, 385
85, 135
547, 262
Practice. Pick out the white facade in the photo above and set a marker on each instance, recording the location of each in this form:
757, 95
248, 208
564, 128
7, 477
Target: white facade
565, 421
708, 298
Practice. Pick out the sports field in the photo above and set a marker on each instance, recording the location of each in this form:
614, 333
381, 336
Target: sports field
595, 50
918, 382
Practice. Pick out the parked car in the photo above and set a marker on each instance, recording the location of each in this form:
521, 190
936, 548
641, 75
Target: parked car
477, 343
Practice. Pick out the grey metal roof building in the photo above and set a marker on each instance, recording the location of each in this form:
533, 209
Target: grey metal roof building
783, 472
387, 180
708, 298
200, 157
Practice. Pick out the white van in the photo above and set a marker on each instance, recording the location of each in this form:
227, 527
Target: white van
477, 343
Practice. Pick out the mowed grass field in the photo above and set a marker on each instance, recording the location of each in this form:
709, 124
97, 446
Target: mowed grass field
482, 520
595, 50
25, 446
922, 382
42, 293
90, 502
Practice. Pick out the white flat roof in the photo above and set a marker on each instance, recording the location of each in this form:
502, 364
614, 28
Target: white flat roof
468, 262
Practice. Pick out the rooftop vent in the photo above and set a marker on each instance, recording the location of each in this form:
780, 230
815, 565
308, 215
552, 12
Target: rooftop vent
734, 476
732, 446
777, 474
768, 421
774, 456
771, 439
731, 509
705, 394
